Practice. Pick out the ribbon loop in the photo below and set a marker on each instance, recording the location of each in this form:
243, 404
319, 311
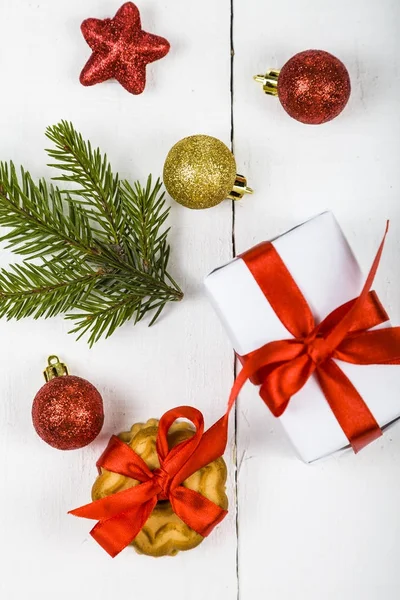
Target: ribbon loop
166, 422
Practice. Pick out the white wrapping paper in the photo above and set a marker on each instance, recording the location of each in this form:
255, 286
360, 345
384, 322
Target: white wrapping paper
321, 262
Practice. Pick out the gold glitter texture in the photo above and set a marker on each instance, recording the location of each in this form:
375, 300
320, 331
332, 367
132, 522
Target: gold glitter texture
67, 412
199, 171
314, 87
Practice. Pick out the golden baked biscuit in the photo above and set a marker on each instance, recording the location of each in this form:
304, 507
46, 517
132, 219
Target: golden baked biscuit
164, 532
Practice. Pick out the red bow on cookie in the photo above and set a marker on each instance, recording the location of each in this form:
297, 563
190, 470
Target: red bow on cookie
121, 516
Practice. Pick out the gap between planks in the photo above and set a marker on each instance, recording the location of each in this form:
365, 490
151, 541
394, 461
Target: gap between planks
233, 245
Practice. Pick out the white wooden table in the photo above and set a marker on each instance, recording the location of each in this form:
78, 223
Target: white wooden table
326, 531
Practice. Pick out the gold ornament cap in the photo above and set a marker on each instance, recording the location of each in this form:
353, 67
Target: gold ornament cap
54, 368
269, 81
200, 172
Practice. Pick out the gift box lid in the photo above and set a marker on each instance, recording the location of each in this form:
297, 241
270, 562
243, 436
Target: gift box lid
324, 267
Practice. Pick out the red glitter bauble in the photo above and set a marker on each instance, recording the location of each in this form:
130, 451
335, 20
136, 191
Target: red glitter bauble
121, 49
314, 87
67, 412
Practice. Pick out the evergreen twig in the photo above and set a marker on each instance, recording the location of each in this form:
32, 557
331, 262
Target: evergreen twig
102, 244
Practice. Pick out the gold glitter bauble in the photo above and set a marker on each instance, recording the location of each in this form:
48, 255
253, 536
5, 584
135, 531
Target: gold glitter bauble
199, 171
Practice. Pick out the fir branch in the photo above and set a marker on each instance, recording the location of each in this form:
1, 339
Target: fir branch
145, 215
107, 308
97, 187
37, 220
103, 245
102, 315
44, 290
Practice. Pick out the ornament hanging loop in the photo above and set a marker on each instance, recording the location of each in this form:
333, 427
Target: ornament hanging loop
239, 188
269, 81
55, 368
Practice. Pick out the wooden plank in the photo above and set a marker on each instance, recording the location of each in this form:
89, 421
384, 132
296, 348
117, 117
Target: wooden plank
184, 359
329, 530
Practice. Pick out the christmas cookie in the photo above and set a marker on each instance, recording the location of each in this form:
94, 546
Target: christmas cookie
164, 532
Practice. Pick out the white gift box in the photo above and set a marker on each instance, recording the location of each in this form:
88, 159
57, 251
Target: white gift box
322, 263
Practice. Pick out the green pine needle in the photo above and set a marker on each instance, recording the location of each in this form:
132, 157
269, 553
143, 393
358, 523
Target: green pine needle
101, 243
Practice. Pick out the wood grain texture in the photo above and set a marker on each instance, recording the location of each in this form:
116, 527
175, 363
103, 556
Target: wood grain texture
306, 532
328, 530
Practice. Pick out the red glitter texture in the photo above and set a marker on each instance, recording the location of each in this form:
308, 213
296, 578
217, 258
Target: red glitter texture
314, 87
67, 412
121, 49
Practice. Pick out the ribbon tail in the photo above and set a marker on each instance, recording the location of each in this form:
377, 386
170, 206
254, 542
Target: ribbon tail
212, 445
350, 410
339, 332
112, 505
199, 513
117, 533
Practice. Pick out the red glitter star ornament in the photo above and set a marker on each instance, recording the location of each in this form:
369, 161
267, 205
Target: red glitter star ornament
121, 49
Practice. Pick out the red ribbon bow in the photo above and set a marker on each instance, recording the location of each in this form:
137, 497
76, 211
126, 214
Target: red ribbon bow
122, 515
283, 367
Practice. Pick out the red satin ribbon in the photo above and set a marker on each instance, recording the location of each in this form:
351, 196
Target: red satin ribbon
121, 516
283, 367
